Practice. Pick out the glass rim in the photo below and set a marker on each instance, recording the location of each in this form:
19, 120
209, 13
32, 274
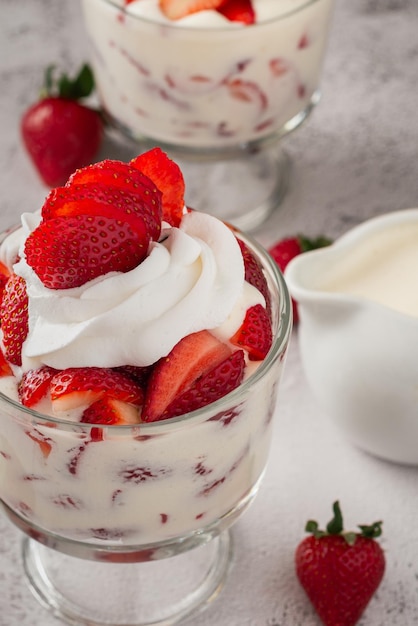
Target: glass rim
230, 400
303, 4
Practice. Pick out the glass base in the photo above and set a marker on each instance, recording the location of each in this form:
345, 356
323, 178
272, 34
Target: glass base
243, 191
243, 188
156, 593
241, 183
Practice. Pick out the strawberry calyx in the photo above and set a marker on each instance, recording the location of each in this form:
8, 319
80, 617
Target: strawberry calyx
336, 527
306, 243
77, 88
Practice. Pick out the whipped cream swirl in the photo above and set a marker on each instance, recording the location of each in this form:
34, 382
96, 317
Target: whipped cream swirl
193, 279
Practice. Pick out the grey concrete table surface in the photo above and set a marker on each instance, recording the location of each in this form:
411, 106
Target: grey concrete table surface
356, 157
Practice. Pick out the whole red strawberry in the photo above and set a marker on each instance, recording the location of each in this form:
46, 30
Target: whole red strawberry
59, 133
284, 250
340, 571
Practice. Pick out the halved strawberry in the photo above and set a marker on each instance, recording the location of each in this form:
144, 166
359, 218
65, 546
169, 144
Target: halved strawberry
78, 386
192, 357
110, 412
238, 11
5, 369
255, 334
136, 208
67, 252
168, 177
254, 272
34, 385
176, 9
14, 318
219, 381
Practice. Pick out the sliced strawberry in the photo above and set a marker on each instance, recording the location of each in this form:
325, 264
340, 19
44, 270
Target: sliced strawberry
254, 272
238, 11
44, 442
138, 209
192, 357
139, 374
34, 385
255, 334
14, 318
4, 276
168, 177
219, 381
67, 252
114, 173
5, 369
279, 66
109, 412
247, 91
78, 386
176, 9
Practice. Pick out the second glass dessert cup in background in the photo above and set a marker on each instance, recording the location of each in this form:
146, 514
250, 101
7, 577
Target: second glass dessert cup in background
217, 98
129, 525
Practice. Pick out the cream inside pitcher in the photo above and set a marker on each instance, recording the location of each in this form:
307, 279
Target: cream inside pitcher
358, 332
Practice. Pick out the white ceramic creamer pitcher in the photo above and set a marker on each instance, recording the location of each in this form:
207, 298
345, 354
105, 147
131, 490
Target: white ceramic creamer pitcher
358, 305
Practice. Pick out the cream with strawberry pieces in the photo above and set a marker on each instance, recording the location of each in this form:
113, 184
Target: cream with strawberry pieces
207, 75
125, 311
102, 282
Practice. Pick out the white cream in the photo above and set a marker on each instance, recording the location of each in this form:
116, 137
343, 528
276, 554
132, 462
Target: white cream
383, 268
192, 280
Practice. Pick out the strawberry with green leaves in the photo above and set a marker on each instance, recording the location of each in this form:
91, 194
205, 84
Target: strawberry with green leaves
61, 133
286, 249
340, 571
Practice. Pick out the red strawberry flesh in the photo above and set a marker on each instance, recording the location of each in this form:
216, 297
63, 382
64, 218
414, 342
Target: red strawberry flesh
219, 381
238, 11
192, 357
34, 385
141, 212
74, 387
168, 177
14, 318
67, 252
255, 334
110, 412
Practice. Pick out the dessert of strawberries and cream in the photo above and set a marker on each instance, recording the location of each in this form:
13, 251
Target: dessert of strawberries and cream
121, 311
211, 74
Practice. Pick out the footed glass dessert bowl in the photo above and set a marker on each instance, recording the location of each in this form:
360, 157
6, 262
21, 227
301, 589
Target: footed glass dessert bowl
126, 508
215, 92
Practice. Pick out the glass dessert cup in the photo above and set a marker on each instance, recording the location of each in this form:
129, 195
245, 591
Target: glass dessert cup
217, 99
130, 525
